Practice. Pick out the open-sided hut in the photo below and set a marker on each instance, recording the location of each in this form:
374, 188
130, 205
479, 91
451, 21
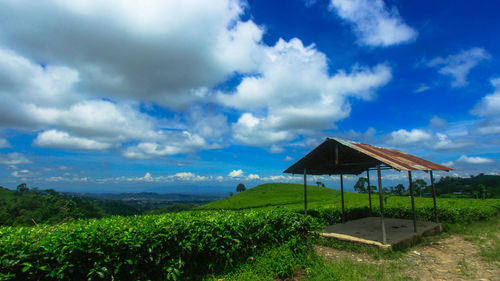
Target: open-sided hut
342, 157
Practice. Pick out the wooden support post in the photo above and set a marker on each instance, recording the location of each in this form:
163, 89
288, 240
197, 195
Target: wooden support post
342, 196
412, 203
305, 192
380, 195
434, 197
369, 191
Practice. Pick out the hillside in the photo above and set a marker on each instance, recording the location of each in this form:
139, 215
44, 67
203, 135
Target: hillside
274, 194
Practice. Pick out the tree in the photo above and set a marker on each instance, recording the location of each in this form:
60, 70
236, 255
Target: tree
418, 186
22, 188
360, 185
400, 189
241, 187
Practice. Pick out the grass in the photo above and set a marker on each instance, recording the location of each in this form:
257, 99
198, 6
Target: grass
485, 234
281, 262
307, 265
348, 269
291, 196
274, 194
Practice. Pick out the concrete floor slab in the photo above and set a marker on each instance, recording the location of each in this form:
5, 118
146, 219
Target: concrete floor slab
368, 231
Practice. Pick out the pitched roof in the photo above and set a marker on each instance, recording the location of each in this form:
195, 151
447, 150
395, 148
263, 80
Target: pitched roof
337, 156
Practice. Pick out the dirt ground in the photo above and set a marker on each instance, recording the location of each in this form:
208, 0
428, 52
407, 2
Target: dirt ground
451, 258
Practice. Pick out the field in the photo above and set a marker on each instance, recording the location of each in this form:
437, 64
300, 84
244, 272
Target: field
261, 235
325, 204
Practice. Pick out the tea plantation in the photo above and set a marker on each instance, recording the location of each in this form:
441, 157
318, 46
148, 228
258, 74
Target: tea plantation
194, 244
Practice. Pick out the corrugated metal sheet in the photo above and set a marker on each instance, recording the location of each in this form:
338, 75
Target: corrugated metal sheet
357, 163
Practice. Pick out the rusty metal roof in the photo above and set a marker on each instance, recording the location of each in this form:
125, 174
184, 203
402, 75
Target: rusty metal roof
338, 156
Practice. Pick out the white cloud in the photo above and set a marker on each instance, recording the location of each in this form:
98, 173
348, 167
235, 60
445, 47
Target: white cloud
288, 158
422, 88
4, 143
428, 139
169, 52
58, 139
373, 22
458, 66
448, 164
474, 160
172, 143
276, 149
489, 127
293, 93
23, 174
253, 177
442, 142
438, 123
14, 158
251, 130
236, 173
188, 176
403, 137
83, 87
490, 104
209, 125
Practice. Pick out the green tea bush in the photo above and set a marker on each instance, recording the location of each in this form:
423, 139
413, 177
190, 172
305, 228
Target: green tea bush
449, 210
154, 247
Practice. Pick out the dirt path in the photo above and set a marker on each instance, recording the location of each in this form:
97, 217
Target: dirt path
451, 258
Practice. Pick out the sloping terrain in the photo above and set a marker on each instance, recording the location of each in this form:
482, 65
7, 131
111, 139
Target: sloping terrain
274, 194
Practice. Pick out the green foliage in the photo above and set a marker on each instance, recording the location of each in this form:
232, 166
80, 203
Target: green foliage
240, 188
487, 186
359, 186
25, 207
171, 209
279, 262
273, 194
180, 246
324, 204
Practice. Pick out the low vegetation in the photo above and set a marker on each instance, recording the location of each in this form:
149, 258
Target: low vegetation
29, 207
177, 246
325, 204
258, 234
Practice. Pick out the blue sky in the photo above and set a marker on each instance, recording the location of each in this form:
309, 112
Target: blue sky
197, 96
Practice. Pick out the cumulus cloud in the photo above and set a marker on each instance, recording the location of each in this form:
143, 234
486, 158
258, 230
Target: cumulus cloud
293, 93
490, 104
288, 158
84, 85
459, 65
373, 23
403, 137
14, 158
253, 177
236, 173
443, 142
172, 143
208, 124
487, 127
58, 139
276, 149
23, 174
428, 139
474, 160
169, 53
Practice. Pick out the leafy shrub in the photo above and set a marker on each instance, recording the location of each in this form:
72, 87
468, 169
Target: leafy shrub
172, 247
449, 210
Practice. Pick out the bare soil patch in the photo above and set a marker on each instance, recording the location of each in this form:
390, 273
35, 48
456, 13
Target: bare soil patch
451, 258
